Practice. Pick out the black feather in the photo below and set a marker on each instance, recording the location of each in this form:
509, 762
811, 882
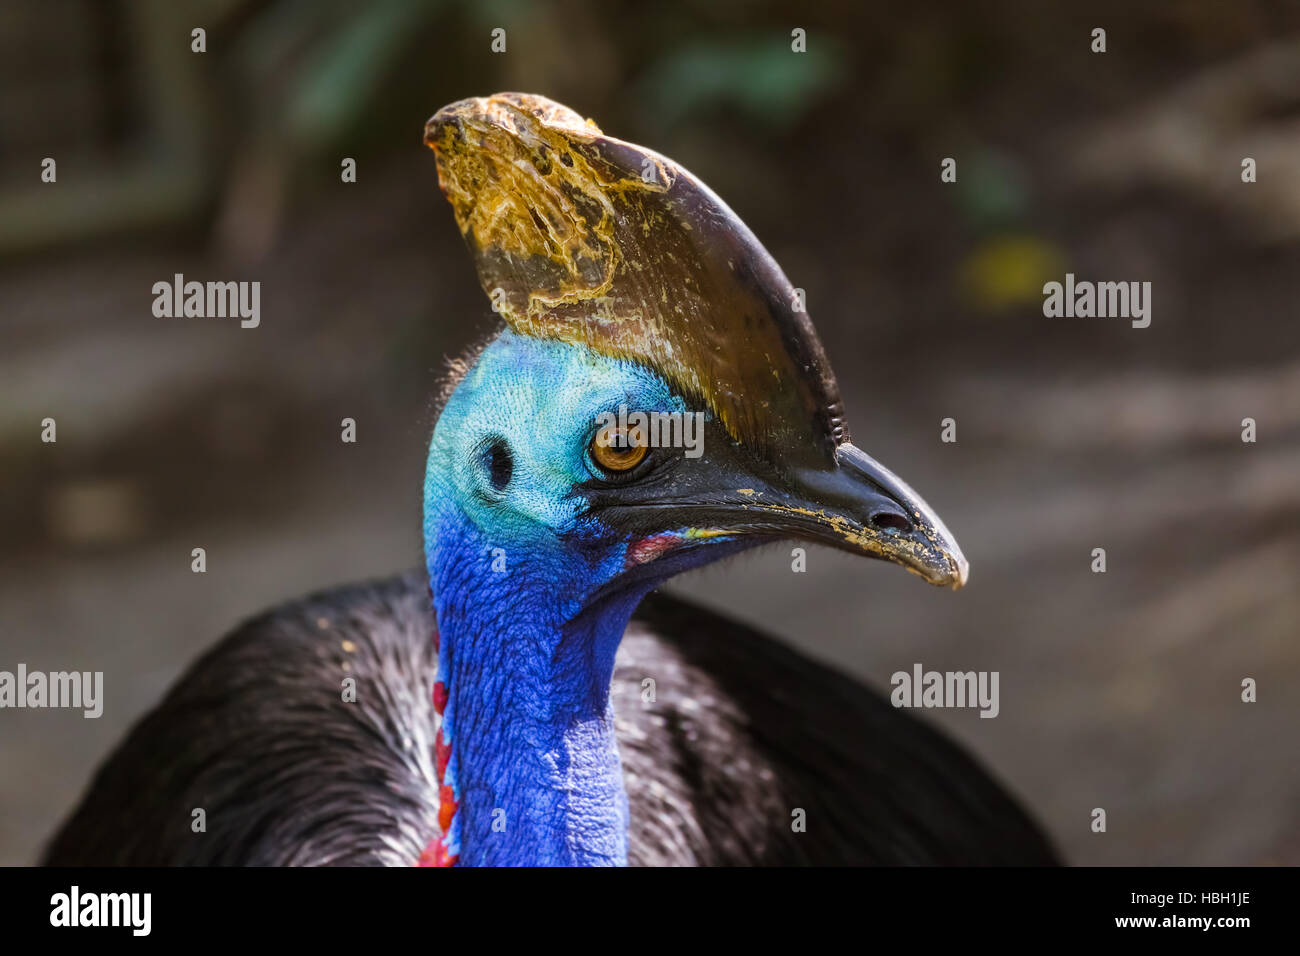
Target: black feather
741, 733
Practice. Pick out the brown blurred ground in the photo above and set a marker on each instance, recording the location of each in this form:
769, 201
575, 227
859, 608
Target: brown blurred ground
1118, 690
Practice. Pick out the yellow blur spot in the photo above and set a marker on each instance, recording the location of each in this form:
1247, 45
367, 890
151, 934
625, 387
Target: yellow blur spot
1006, 271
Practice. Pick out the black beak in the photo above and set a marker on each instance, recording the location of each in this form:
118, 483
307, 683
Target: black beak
862, 507
852, 503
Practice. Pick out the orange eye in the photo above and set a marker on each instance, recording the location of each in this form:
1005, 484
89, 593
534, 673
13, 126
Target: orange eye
612, 450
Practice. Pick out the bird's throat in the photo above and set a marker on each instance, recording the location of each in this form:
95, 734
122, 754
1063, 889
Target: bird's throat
528, 761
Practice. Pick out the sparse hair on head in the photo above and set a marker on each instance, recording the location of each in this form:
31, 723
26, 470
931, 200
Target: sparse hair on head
454, 371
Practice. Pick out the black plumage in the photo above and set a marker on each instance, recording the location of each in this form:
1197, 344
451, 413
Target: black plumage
742, 732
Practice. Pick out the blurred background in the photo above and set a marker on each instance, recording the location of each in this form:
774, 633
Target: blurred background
1118, 690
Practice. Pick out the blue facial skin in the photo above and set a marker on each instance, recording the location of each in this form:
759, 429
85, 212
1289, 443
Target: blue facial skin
514, 560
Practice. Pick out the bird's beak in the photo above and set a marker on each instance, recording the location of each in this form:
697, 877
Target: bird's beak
860, 506
850, 502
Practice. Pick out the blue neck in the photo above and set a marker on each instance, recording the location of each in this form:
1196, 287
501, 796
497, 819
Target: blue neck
534, 763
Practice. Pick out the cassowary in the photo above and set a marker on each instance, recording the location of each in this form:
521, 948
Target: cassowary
529, 700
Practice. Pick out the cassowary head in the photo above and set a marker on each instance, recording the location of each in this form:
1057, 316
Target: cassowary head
628, 287
657, 400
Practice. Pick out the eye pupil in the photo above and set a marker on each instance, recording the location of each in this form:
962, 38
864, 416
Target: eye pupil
616, 452
501, 464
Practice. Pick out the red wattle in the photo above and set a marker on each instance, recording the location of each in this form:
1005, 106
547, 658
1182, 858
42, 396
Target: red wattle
447, 808
441, 753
